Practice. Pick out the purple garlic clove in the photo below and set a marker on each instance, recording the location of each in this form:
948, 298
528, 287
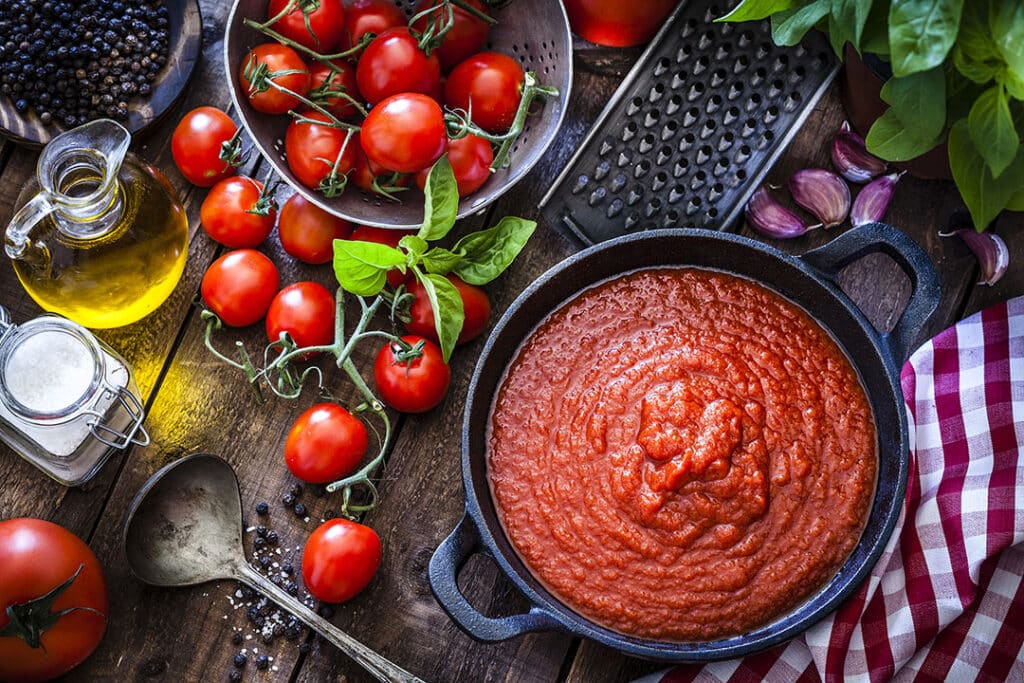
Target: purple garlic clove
823, 193
873, 201
990, 250
852, 159
772, 219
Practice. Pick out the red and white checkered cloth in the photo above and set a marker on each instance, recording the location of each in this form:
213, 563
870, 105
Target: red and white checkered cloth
946, 600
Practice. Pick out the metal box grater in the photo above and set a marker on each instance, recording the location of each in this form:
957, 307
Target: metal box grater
693, 129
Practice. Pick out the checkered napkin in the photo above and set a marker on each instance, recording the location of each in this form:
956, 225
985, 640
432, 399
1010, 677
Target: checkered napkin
946, 600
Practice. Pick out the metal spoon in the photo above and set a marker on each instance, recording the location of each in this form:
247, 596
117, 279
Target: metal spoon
185, 527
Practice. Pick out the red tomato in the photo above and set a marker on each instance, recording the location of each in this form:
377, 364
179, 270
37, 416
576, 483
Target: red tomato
617, 23
294, 76
227, 213
318, 29
324, 80
493, 83
36, 557
466, 37
196, 145
413, 386
394, 63
312, 148
365, 233
471, 159
305, 310
475, 304
339, 559
404, 133
369, 16
308, 232
239, 286
325, 444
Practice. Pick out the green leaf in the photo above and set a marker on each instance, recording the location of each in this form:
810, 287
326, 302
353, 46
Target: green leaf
414, 244
1016, 202
362, 267
921, 33
440, 261
449, 314
984, 194
1006, 23
1013, 83
919, 102
752, 10
846, 23
991, 127
790, 26
875, 39
893, 141
441, 201
971, 68
487, 253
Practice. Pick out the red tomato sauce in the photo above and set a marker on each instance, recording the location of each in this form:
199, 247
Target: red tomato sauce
681, 454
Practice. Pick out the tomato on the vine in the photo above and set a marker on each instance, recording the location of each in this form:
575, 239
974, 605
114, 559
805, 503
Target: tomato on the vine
471, 158
284, 67
369, 16
37, 557
318, 29
411, 386
325, 444
340, 559
308, 232
394, 63
326, 82
239, 286
305, 310
476, 306
236, 214
467, 35
312, 150
493, 84
196, 145
404, 133
366, 233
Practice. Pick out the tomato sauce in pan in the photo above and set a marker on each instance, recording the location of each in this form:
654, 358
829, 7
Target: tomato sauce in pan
681, 454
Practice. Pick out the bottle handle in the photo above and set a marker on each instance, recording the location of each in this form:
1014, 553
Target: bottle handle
16, 242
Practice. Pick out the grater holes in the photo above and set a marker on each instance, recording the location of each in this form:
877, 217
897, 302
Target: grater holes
691, 116
793, 100
712, 213
634, 106
657, 92
689, 27
651, 118
683, 53
676, 193
642, 169
741, 64
714, 103
630, 131
652, 208
660, 180
669, 131
674, 103
770, 114
672, 217
662, 66
664, 154
695, 91
687, 142
647, 143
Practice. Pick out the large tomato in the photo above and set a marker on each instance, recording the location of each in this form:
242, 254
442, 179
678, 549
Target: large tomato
476, 306
325, 82
308, 232
339, 559
394, 63
285, 68
37, 557
196, 145
305, 310
467, 35
325, 444
404, 133
411, 386
366, 233
233, 215
369, 16
239, 286
320, 29
492, 84
471, 158
313, 148
615, 22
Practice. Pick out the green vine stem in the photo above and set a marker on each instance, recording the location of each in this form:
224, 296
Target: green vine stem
265, 29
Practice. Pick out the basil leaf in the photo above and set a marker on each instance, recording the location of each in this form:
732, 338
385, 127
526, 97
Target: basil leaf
846, 23
790, 27
1007, 26
919, 102
984, 194
991, 127
921, 33
1013, 83
362, 267
890, 139
487, 253
413, 244
449, 314
440, 261
875, 39
441, 201
751, 10
972, 69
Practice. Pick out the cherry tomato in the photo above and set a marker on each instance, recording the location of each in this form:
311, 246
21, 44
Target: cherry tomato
312, 148
228, 213
471, 159
394, 63
404, 133
325, 444
308, 232
476, 306
339, 559
466, 37
35, 558
413, 386
323, 80
305, 310
320, 29
239, 286
369, 16
196, 145
285, 68
493, 83
616, 23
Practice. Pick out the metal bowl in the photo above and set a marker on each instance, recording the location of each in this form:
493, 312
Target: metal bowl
546, 48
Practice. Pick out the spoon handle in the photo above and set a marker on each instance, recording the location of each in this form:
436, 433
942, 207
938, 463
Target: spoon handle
381, 668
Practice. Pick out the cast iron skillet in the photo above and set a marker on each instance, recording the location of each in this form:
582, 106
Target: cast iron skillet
808, 280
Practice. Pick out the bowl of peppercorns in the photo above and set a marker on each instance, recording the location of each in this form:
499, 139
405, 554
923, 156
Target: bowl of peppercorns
67, 62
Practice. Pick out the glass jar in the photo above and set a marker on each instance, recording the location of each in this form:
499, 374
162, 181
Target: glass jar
67, 401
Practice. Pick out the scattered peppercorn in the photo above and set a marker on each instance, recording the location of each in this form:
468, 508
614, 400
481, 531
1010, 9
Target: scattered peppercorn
276, 580
262, 508
326, 611
239, 661
272, 537
300, 510
234, 676
268, 638
237, 639
292, 588
264, 562
252, 613
287, 569
288, 500
261, 531
262, 662
295, 490
259, 542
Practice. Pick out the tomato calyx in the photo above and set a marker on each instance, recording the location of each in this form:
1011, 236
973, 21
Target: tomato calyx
405, 353
231, 150
330, 91
265, 202
31, 619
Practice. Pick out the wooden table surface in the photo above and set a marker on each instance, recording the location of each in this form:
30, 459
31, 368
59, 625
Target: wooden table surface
194, 404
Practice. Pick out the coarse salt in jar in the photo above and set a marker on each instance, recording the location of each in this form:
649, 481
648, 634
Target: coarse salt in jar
67, 401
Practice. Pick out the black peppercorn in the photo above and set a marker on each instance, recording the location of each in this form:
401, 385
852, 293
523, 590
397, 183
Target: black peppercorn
261, 531
288, 500
300, 510
237, 639
272, 537
262, 662
239, 661
295, 490
262, 508
234, 675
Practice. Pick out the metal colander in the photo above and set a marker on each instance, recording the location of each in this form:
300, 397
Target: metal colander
693, 129
536, 32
